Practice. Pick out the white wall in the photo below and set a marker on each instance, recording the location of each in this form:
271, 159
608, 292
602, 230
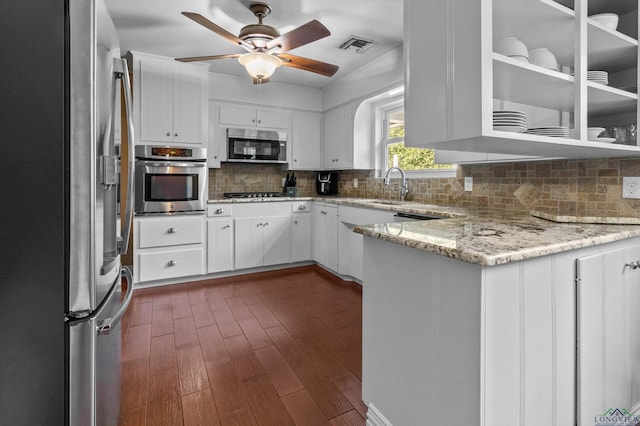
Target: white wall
380, 75
232, 88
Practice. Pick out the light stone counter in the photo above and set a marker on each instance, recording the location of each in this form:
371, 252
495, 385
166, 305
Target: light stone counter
482, 237
495, 238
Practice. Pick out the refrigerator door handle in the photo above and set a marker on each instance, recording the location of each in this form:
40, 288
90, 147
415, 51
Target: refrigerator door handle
122, 72
106, 325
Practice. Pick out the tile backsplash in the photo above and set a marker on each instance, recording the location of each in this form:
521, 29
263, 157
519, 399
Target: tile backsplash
570, 187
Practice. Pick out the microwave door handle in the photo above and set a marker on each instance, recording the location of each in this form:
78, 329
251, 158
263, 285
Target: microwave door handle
123, 73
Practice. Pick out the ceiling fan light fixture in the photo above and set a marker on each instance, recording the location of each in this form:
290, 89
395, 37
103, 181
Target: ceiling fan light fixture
260, 65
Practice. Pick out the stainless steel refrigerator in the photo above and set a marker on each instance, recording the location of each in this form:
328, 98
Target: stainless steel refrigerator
61, 303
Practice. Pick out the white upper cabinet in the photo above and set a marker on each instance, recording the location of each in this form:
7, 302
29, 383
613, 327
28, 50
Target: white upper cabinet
455, 79
347, 137
170, 101
306, 141
253, 117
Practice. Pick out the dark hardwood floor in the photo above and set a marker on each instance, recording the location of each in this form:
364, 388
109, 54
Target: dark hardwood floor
274, 348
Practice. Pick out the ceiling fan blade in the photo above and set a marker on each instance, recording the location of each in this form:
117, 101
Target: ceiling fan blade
207, 58
217, 29
304, 34
308, 64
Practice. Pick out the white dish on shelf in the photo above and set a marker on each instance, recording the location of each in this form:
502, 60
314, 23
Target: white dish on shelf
604, 140
607, 20
507, 112
511, 46
542, 57
513, 129
594, 132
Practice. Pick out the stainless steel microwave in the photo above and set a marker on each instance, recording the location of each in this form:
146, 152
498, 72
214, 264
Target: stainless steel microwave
256, 146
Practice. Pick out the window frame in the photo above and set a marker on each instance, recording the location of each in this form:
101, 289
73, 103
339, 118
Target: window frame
384, 112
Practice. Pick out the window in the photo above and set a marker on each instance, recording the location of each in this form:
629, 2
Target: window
408, 159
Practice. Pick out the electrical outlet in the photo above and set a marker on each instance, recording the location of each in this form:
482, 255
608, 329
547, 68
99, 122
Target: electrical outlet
468, 183
355, 182
631, 187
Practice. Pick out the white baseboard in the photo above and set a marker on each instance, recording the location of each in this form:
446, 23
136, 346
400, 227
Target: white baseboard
375, 417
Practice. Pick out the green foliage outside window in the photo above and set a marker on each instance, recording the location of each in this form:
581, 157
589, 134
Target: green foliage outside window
411, 158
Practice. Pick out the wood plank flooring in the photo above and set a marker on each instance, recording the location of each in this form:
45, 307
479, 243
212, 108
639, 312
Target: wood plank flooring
273, 348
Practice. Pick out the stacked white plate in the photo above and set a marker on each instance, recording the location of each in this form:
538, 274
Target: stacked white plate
553, 131
510, 121
601, 77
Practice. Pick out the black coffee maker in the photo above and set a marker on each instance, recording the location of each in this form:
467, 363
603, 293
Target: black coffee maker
327, 183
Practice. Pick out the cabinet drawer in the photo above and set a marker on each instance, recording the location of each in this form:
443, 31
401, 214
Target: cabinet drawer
219, 210
301, 207
173, 231
170, 264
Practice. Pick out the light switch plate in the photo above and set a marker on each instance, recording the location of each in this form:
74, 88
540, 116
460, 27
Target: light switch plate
630, 187
468, 183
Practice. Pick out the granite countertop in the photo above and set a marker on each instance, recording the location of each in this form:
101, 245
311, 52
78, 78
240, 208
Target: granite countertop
482, 237
495, 238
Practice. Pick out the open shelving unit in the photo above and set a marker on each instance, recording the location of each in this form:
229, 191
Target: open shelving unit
465, 89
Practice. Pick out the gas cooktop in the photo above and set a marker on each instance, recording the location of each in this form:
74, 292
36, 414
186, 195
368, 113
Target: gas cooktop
253, 194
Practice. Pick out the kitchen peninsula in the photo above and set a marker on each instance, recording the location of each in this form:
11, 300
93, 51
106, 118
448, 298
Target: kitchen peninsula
473, 320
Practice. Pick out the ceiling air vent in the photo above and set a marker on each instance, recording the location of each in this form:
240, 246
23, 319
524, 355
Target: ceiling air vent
357, 44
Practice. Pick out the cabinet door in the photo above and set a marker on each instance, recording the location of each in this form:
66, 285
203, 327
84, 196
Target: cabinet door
156, 100
188, 114
276, 240
238, 116
306, 142
325, 236
273, 119
248, 242
219, 245
608, 339
300, 237
338, 142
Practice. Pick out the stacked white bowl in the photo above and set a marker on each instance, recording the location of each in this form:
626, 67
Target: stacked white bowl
543, 58
513, 48
607, 20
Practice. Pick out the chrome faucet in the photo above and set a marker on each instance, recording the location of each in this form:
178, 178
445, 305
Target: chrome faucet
404, 189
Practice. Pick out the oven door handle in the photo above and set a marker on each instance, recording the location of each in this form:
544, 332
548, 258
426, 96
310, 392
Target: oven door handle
155, 163
122, 72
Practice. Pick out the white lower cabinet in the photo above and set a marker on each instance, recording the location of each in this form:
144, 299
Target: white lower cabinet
325, 235
301, 231
220, 245
608, 338
350, 244
500, 341
168, 247
262, 234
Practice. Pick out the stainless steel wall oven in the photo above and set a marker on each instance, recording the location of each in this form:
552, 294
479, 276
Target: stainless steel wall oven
170, 179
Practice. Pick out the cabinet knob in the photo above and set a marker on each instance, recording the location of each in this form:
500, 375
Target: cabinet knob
172, 263
295, 221
175, 134
226, 227
259, 224
295, 160
168, 133
302, 207
259, 121
173, 230
266, 224
219, 211
323, 212
215, 157
633, 265
253, 120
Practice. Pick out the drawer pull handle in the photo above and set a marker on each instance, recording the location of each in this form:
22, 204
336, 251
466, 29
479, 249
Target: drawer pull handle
173, 230
260, 224
266, 224
219, 211
172, 263
226, 227
302, 207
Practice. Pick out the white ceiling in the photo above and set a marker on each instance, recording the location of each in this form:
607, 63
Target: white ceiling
158, 27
